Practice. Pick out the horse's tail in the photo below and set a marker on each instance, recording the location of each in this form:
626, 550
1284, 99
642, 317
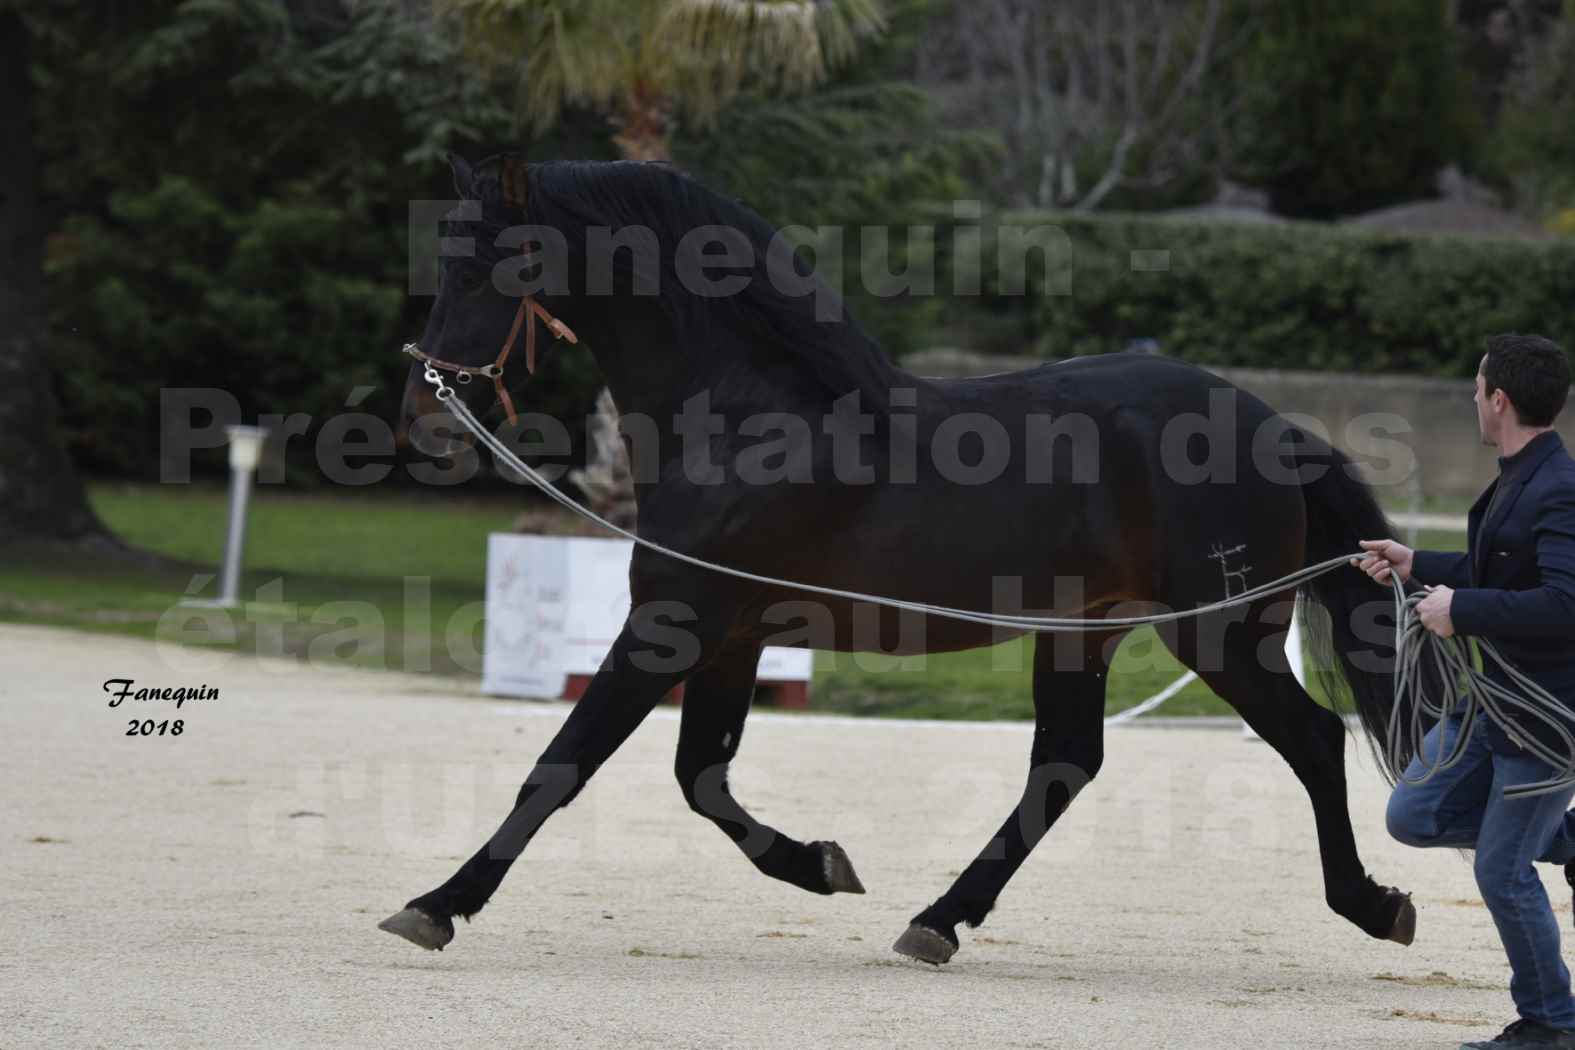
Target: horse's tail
1351, 630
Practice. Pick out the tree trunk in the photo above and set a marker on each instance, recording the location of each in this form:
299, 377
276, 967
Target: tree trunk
642, 124
41, 496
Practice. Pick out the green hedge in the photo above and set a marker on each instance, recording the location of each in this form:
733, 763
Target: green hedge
1297, 295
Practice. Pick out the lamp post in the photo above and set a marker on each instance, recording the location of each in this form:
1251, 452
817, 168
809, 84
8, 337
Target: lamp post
245, 450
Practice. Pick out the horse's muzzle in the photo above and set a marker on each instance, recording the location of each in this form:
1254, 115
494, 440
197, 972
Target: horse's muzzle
427, 424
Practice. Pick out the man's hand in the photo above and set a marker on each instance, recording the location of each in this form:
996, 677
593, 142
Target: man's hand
1433, 611
1383, 557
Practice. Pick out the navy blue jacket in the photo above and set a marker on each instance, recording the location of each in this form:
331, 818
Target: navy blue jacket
1515, 585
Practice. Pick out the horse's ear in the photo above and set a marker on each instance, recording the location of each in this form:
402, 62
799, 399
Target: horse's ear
512, 179
464, 177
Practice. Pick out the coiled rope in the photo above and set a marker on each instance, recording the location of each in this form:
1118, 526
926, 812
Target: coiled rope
1463, 689
1467, 693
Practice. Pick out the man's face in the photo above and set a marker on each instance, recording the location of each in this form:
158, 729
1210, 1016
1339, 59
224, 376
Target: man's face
1484, 411
1490, 409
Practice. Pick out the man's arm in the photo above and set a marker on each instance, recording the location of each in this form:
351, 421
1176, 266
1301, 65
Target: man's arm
1430, 567
1547, 611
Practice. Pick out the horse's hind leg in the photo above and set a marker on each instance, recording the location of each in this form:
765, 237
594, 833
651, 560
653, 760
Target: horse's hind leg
716, 702
1245, 664
1068, 749
617, 700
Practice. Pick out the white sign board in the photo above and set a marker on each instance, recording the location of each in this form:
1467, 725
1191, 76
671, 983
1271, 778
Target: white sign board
554, 606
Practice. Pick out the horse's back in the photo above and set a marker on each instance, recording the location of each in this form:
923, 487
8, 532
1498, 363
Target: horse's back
1144, 382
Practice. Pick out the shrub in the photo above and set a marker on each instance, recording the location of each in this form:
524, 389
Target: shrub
1292, 296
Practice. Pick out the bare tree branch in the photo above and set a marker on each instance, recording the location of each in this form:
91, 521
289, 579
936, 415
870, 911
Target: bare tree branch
1076, 85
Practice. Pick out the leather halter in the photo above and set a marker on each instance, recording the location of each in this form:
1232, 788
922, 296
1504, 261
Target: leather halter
513, 183
524, 317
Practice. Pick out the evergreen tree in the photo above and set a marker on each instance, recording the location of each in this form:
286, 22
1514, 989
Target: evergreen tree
232, 180
1352, 105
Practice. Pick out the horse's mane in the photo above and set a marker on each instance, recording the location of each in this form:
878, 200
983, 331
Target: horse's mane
572, 196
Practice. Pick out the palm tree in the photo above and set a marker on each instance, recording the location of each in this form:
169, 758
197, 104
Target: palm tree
645, 63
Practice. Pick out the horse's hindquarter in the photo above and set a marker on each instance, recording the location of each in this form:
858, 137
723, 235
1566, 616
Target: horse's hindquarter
1230, 513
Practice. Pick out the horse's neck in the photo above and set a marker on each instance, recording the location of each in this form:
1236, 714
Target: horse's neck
635, 350
655, 376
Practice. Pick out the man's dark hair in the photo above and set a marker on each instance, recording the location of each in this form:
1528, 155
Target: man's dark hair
1533, 372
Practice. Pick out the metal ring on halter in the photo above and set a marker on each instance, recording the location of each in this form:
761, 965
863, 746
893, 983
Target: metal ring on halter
461, 377
433, 376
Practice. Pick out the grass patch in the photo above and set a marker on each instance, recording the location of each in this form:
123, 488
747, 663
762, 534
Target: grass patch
373, 583
311, 535
993, 683
398, 583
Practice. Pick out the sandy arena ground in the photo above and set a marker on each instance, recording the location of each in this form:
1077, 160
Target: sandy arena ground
221, 888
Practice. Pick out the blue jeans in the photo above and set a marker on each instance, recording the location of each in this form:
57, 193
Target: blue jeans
1464, 808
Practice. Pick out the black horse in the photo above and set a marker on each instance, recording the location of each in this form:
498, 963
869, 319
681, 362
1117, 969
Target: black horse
1107, 514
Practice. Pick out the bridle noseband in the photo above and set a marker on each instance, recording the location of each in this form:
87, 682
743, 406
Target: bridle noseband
524, 317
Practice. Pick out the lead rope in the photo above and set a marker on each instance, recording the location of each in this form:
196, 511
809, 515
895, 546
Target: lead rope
1463, 687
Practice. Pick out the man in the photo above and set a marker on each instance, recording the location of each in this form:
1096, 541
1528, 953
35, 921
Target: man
1515, 587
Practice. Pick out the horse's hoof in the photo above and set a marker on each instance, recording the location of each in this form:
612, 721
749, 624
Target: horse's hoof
1403, 931
419, 928
840, 875
924, 944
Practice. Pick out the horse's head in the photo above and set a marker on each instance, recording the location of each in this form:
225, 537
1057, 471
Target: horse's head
625, 252
481, 336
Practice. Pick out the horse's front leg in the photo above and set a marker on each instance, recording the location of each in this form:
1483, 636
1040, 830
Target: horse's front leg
632, 680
